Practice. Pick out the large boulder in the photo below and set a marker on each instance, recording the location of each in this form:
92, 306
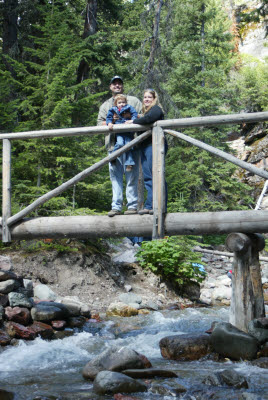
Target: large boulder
108, 382
259, 329
227, 377
20, 315
48, 311
8, 286
117, 359
19, 300
228, 341
43, 292
185, 347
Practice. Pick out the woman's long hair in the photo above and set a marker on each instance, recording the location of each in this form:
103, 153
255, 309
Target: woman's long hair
154, 102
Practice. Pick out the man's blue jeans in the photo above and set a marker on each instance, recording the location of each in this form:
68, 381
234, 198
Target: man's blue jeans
117, 171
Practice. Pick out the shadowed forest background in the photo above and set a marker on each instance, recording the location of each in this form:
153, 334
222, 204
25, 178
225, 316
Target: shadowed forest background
56, 61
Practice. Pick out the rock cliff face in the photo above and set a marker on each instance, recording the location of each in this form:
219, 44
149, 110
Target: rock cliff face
252, 147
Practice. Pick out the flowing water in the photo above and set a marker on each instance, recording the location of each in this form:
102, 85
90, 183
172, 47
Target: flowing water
43, 369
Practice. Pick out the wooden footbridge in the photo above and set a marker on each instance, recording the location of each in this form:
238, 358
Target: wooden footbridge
245, 244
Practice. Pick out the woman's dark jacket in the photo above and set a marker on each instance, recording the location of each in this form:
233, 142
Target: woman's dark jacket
154, 114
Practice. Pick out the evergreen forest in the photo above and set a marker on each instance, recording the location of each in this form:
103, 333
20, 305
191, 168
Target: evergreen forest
56, 61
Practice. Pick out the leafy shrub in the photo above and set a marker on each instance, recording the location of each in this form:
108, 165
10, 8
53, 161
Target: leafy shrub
172, 258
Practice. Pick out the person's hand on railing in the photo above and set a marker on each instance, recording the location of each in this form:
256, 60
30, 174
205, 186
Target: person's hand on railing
110, 126
115, 118
129, 121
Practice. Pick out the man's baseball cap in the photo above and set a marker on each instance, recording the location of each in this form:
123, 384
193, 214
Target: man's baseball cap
116, 77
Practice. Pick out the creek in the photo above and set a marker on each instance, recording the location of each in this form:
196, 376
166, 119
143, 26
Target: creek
43, 369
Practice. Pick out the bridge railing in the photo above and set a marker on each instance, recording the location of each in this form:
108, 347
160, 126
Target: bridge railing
157, 130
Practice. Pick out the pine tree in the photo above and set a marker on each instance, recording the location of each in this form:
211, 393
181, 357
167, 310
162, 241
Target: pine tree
201, 56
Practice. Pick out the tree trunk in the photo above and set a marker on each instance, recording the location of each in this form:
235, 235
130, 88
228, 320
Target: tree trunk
10, 28
90, 28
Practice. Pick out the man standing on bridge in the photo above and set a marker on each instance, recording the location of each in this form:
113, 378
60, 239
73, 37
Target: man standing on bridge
117, 168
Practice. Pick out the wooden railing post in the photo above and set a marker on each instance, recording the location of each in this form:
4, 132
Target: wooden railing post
247, 295
6, 190
159, 191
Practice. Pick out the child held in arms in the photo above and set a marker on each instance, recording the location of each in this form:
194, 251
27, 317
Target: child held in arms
119, 114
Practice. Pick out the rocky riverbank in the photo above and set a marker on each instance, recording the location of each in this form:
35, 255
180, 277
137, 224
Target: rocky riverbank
65, 288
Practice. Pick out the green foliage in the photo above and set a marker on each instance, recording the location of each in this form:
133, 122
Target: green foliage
250, 84
172, 258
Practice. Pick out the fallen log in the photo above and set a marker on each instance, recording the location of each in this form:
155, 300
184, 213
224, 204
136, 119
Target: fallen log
98, 226
220, 253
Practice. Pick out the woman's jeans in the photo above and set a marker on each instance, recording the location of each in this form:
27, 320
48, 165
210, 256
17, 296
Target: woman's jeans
147, 168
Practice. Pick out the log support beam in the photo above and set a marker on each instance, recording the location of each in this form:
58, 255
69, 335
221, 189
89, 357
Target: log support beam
247, 301
159, 193
6, 190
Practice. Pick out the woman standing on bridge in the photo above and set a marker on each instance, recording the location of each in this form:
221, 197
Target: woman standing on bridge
152, 111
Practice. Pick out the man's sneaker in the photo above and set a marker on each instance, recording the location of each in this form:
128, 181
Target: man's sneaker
112, 213
130, 211
144, 211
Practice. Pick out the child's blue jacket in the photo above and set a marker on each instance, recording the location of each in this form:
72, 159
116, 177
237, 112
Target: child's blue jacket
121, 114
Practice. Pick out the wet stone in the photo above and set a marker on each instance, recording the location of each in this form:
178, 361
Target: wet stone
107, 382
18, 314
149, 373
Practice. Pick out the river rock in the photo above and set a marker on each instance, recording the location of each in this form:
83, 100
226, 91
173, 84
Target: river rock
261, 362
58, 325
18, 314
76, 322
264, 350
228, 341
19, 331
4, 395
107, 382
115, 358
149, 373
3, 300
166, 391
185, 347
226, 377
5, 263
119, 396
130, 298
48, 311
75, 306
259, 329
43, 330
5, 339
6, 275
19, 300
8, 286
121, 310
43, 292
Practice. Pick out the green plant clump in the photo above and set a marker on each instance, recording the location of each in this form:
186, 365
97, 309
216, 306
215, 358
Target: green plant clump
172, 258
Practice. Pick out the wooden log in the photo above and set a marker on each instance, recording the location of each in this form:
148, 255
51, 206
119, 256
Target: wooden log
87, 130
237, 242
220, 153
199, 249
137, 225
169, 123
214, 120
242, 301
77, 178
257, 245
158, 183
6, 190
